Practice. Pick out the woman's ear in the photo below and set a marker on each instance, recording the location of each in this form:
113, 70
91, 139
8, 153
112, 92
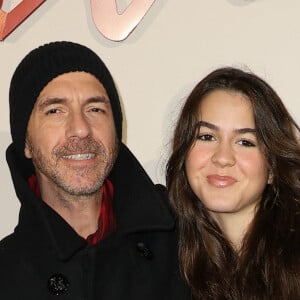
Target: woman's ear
270, 177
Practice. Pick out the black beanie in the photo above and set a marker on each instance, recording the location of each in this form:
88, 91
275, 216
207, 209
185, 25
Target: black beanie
42, 65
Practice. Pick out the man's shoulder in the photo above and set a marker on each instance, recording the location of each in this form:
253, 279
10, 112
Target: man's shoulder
9, 246
161, 189
14, 245
10, 256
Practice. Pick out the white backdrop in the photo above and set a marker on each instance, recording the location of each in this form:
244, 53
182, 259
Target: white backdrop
174, 46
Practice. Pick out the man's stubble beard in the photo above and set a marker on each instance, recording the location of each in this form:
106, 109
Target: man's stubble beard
50, 167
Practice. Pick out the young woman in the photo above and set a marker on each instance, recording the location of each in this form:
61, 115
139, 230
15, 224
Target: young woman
233, 180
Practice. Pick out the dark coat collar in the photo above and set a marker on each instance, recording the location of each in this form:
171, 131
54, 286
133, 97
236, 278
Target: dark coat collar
137, 203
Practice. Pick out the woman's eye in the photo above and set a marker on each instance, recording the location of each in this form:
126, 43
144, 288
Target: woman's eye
205, 137
246, 143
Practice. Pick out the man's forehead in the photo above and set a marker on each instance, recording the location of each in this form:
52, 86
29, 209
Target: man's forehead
79, 83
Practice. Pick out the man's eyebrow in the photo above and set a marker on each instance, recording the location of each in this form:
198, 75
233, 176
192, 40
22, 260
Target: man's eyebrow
50, 101
215, 127
98, 99
56, 100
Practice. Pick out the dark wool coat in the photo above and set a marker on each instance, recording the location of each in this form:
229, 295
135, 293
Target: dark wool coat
45, 259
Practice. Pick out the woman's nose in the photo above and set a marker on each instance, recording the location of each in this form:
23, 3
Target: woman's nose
224, 155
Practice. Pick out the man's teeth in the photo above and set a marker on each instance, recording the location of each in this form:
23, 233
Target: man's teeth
80, 156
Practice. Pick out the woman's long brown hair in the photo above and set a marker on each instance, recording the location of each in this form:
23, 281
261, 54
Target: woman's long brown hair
268, 265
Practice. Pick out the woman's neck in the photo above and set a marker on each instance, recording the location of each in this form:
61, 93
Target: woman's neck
235, 225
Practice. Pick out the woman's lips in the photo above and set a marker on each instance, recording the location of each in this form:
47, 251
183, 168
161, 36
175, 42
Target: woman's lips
220, 181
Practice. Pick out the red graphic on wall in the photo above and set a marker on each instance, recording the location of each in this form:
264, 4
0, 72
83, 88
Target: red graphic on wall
9, 21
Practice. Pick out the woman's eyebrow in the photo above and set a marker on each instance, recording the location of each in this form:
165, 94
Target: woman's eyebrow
246, 130
208, 125
217, 128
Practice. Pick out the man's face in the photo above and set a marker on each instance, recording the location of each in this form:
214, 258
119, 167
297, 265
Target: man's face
71, 135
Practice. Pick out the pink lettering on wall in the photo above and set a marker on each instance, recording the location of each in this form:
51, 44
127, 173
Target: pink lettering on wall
116, 26
10, 20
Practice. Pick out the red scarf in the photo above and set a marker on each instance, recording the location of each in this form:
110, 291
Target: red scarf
106, 223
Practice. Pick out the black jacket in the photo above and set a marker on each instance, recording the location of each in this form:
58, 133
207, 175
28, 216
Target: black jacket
45, 259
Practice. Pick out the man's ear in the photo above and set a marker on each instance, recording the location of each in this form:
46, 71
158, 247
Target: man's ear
27, 150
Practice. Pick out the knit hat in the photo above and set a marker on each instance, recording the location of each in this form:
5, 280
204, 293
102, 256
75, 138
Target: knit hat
42, 65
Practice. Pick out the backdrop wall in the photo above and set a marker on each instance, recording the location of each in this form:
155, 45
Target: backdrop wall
174, 46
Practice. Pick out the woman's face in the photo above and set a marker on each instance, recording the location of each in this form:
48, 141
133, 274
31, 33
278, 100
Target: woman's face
226, 167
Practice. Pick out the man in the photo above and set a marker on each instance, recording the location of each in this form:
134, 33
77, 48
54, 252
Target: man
92, 225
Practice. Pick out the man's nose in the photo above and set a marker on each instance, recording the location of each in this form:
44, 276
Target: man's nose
78, 125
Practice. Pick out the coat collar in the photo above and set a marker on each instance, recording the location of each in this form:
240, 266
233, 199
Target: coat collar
137, 203
139, 206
